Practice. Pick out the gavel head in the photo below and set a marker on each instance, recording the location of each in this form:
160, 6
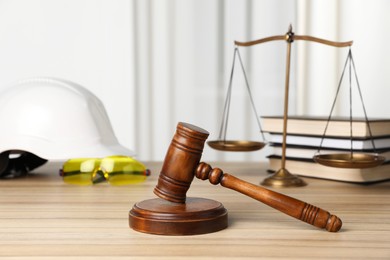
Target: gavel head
180, 162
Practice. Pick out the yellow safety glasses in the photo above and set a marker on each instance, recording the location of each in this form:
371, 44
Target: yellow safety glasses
117, 170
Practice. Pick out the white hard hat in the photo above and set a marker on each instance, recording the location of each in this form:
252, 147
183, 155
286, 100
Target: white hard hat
56, 120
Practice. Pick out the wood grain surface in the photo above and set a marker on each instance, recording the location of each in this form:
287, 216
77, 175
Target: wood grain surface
43, 218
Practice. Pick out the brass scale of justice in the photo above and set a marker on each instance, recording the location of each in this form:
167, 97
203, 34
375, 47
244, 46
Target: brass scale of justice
282, 177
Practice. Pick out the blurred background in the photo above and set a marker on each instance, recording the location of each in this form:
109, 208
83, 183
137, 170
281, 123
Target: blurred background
154, 63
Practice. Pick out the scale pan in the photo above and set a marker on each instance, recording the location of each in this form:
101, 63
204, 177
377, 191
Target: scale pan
348, 160
236, 146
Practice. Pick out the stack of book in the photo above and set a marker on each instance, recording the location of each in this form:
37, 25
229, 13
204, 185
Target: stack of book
305, 138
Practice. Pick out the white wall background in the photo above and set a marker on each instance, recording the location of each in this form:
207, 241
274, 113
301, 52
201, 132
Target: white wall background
156, 62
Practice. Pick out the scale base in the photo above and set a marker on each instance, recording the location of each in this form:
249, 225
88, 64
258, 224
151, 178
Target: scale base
162, 217
283, 178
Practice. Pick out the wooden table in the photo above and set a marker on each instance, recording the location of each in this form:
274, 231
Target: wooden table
43, 218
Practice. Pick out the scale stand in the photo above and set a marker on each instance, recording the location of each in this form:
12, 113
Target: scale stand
283, 178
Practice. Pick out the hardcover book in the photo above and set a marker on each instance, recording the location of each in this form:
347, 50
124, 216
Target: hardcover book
338, 126
307, 168
328, 142
307, 152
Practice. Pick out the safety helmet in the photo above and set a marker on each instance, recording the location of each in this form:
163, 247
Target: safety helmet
56, 120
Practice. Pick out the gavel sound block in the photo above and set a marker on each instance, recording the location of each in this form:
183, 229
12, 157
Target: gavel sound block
175, 214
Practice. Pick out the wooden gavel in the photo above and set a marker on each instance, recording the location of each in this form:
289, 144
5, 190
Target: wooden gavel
181, 164
175, 214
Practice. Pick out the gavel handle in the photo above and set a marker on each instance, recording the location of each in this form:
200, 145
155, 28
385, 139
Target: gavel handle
295, 208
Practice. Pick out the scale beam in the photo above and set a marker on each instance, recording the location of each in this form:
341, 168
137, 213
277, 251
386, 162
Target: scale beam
290, 37
295, 37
